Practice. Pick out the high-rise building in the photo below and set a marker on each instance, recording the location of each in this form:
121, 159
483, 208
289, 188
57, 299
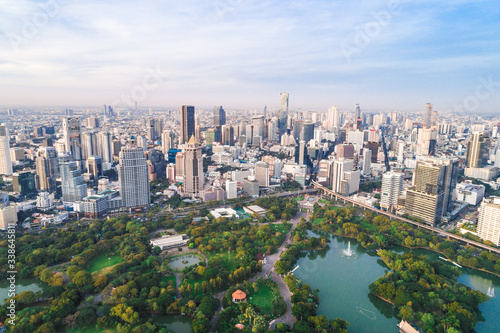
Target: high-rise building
338, 169
333, 118
45, 181
426, 144
24, 182
133, 176
262, 173
94, 166
89, 145
283, 120
194, 178
478, 150
227, 135
72, 137
167, 141
434, 182
5, 161
72, 184
428, 115
367, 161
324, 172
231, 189
187, 123
104, 149
307, 133
392, 186
219, 116
488, 225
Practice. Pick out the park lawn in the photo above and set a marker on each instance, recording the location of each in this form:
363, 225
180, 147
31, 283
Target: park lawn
319, 220
324, 201
101, 261
262, 299
365, 224
229, 262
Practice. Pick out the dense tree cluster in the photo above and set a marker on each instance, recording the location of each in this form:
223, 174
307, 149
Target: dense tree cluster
428, 293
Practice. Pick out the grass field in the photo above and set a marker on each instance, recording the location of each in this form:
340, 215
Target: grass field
228, 261
102, 261
262, 298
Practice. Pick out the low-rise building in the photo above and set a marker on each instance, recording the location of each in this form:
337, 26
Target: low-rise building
168, 242
469, 193
254, 209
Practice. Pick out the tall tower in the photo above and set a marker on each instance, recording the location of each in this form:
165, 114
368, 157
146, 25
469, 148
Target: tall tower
104, 149
72, 137
133, 176
478, 150
42, 171
194, 179
283, 113
219, 116
333, 117
187, 123
73, 186
5, 160
428, 115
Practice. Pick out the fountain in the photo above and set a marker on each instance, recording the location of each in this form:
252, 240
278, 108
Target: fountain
491, 292
348, 252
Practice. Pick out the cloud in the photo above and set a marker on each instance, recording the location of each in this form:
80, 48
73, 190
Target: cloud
242, 53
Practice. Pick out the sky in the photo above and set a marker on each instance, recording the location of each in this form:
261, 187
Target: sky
385, 55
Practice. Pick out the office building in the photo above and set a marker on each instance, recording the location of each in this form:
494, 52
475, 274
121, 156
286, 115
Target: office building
262, 173
72, 137
367, 161
434, 182
187, 123
104, 149
283, 118
467, 192
428, 115
94, 166
219, 116
231, 189
478, 150
72, 184
392, 187
133, 176
45, 181
488, 225
24, 183
194, 178
5, 160
8, 216
426, 144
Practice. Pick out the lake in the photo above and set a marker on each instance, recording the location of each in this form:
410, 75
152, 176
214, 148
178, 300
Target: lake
343, 283
21, 285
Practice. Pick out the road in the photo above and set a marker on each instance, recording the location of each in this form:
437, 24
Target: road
177, 212
268, 268
438, 231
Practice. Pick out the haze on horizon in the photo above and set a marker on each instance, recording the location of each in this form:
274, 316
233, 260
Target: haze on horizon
243, 53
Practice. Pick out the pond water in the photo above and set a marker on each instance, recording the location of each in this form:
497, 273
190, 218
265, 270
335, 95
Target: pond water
21, 285
179, 263
177, 323
343, 279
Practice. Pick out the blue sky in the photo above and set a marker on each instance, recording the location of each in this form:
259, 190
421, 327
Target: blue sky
384, 55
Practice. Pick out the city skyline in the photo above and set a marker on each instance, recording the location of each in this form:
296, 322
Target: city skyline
242, 54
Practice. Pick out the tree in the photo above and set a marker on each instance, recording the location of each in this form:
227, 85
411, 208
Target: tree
82, 278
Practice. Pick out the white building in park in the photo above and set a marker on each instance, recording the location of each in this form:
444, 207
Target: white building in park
224, 212
168, 242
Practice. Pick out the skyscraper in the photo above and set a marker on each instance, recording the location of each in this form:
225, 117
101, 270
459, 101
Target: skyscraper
104, 149
72, 184
187, 123
333, 118
392, 186
426, 144
72, 137
488, 225
262, 173
430, 197
5, 160
283, 119
478, 150
133, 176
428, 115
194, 178
43, 174
219, 116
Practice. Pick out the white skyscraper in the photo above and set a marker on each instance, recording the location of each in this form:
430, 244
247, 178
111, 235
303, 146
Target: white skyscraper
133, 176
488, 225
338, 170
262, 173
367, 161
333, 117
231, 189
392, 186
5, 160
104, 149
